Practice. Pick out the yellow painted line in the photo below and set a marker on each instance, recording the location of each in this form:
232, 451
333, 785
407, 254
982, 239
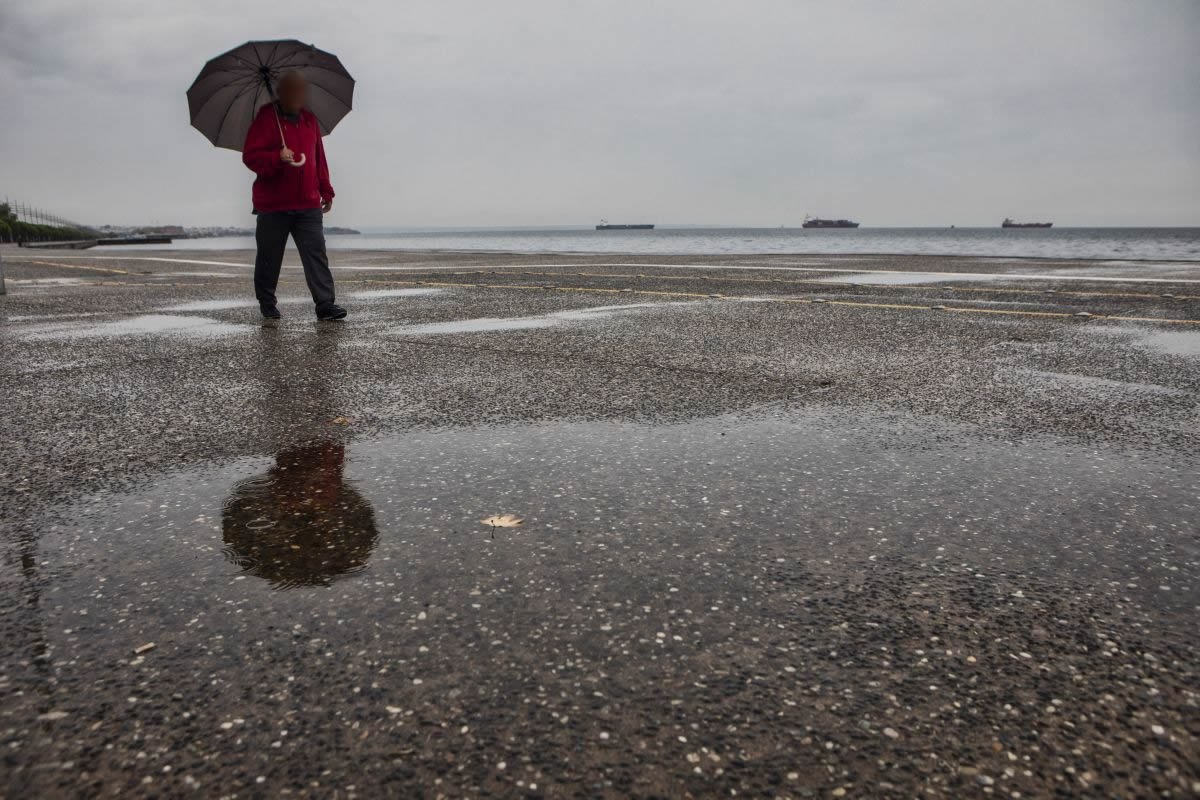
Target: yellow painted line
655, 293
80, 266
861, 271
1152, 319
1009, 312
503, 269
800, 282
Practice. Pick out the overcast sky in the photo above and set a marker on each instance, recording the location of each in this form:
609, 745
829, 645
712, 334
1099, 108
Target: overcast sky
529, 113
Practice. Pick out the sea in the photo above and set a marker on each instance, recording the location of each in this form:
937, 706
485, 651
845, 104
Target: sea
1156, 244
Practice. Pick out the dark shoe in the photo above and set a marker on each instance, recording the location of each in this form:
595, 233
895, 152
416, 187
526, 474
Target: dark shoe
269, 312
331, 313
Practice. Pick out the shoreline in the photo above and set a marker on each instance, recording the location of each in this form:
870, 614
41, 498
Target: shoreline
131, 251
1139, 245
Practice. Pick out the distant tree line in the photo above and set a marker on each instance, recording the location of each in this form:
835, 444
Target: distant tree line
15, 230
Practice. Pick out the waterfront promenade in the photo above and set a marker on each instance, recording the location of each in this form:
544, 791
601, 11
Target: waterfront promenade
793, 526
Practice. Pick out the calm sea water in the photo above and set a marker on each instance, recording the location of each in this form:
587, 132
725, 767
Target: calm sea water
1163, 244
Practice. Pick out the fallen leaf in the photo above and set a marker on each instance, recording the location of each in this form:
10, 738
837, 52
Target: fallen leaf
503, 521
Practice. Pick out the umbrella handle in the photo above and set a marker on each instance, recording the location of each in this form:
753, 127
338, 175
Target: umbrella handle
279, 122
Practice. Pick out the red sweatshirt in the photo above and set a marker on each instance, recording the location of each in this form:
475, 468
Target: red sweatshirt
280, 186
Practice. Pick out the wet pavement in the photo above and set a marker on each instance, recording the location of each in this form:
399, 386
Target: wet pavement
792, 527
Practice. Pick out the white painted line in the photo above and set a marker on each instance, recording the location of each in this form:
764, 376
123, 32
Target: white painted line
335, 266
227, 304
752, 268
154, 258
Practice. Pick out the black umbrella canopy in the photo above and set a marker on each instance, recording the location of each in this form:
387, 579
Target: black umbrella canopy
232, 87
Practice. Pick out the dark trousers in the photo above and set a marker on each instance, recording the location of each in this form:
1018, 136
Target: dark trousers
307, 230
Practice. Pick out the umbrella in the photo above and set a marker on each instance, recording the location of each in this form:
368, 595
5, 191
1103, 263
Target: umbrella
228, 92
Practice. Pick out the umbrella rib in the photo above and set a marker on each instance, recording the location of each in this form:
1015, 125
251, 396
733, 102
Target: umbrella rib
255, 108
286, 61
225, 117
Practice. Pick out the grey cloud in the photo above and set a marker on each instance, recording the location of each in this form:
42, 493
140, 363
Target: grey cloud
536, 112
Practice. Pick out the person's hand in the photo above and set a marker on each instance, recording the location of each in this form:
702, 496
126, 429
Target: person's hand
286, 155
327, 205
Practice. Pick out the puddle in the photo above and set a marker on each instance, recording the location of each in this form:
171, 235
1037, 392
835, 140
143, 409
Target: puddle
133, 326
1134, 272
481, 325
769, 575
242, 302
197, 275
487, 324
376, 294
1094, 383
1174, 343
1168, 342
37, 317
821, 486
34, 283
908, 278
299, 523
226, 304
1154, 265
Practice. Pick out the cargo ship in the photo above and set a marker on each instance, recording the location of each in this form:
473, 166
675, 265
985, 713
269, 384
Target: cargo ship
605, 225
1008, 223
816, 222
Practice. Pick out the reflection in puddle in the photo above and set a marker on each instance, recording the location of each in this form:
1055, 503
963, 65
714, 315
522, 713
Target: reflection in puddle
300, 523
524, 323
134, 326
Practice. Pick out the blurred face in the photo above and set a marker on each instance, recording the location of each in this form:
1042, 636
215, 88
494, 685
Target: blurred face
292, 92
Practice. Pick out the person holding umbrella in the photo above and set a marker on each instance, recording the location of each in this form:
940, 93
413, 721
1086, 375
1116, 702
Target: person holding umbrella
291, 194
274, 100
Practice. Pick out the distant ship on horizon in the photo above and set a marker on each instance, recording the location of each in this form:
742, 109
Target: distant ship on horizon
817, 222
605, 225
1008, 223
